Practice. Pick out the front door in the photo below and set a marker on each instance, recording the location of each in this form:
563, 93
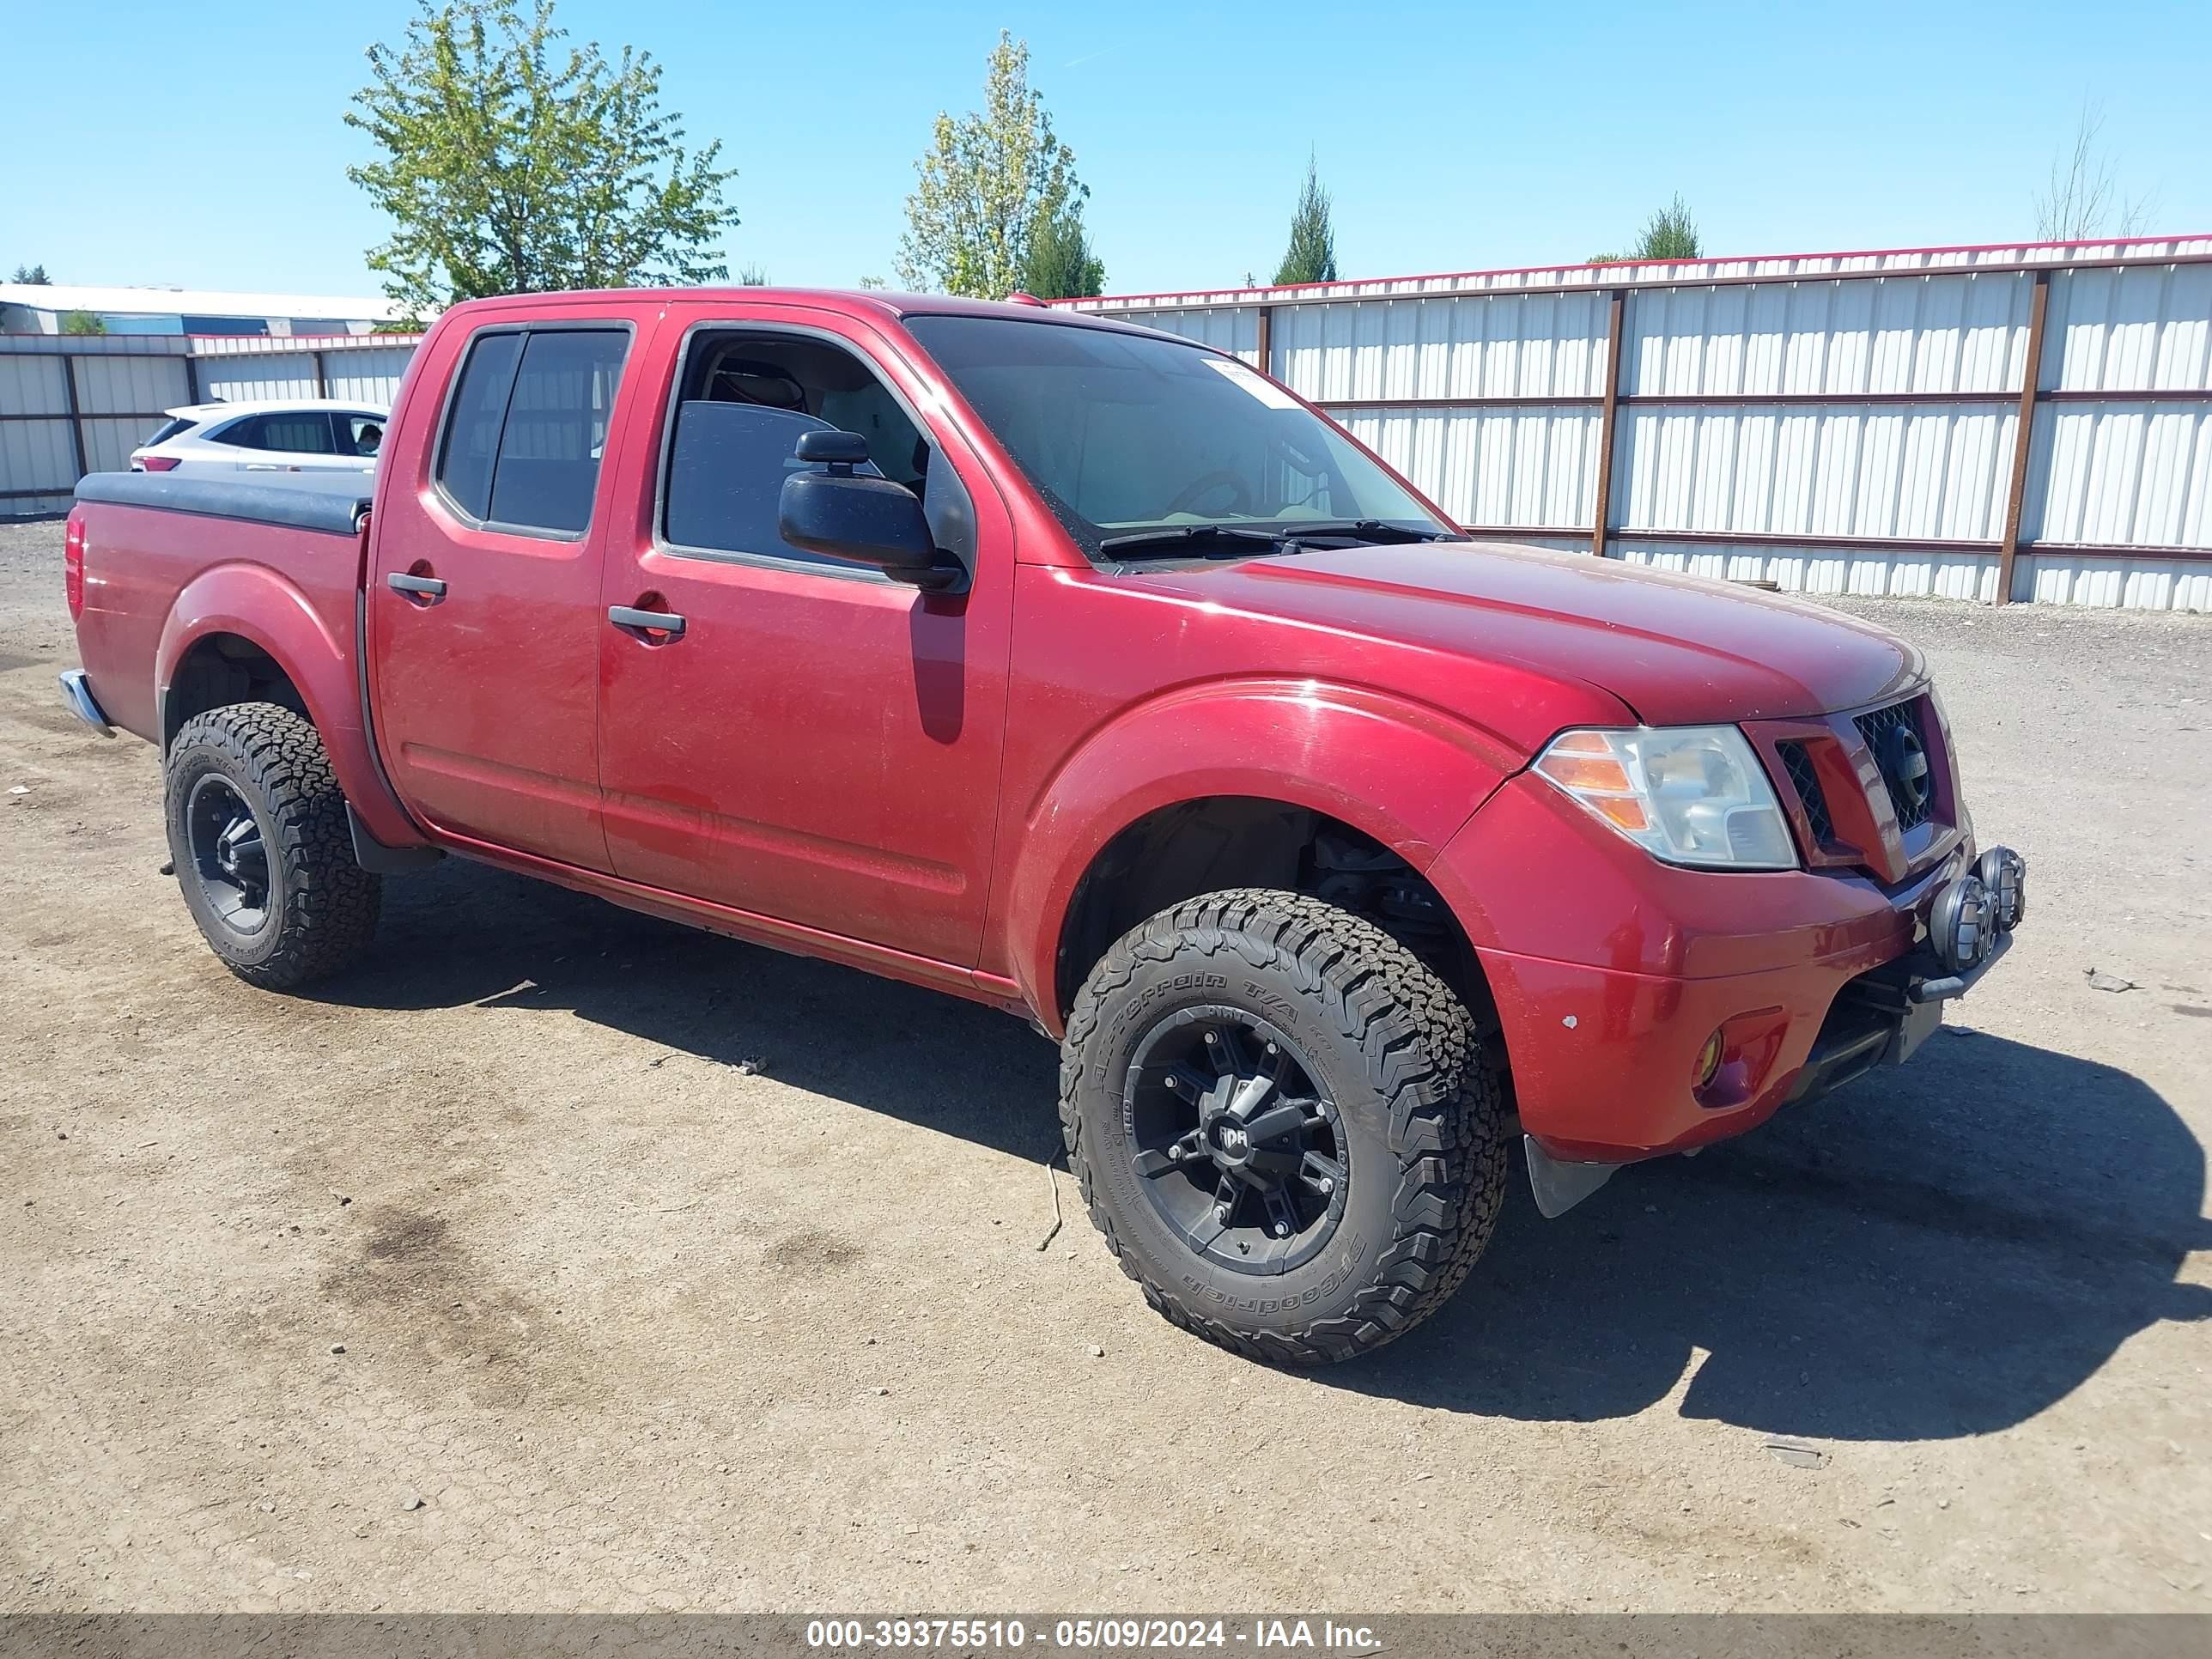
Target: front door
484, 606
818, 745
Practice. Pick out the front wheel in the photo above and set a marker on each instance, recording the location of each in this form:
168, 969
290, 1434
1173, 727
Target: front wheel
1280, 1125
257, 833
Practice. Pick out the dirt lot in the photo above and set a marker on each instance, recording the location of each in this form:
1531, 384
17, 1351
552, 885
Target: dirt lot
643, 1329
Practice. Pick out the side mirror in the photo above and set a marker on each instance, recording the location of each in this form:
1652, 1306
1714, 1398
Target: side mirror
868, 521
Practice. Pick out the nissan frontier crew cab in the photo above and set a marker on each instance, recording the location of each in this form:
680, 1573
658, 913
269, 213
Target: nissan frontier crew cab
1082, 670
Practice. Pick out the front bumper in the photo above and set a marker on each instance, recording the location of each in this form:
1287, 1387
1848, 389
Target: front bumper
1612, 973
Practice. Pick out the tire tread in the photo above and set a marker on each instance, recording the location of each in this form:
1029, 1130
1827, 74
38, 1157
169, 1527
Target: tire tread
331, 903
1422, 1054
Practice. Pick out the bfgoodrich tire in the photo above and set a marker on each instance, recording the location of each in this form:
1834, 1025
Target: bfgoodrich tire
257, 833
1279, 1124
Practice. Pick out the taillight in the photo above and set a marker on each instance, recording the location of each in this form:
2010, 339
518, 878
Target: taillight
157, 462
72, 564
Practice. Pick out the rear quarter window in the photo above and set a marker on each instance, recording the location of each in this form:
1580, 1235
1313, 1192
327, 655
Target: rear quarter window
528, 425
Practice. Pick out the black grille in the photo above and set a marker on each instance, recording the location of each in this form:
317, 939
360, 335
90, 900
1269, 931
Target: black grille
1807, 782
1894, 736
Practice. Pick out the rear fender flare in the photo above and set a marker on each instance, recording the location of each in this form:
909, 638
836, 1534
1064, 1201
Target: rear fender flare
260, 607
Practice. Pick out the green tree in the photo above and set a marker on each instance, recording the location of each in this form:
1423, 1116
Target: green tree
82, 322
1062, 265
990, 180
508, 164
1311, 256
33, 275
1670, 233
752, 277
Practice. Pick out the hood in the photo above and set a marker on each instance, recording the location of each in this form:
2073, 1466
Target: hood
1678, 650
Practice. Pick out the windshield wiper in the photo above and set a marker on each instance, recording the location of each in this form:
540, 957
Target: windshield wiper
1289, 537
1364, 530
1178, 535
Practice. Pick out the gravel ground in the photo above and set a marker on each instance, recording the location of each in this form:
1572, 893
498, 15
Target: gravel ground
495, 1276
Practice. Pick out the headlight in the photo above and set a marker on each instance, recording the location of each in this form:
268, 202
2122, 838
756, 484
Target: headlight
1689, 794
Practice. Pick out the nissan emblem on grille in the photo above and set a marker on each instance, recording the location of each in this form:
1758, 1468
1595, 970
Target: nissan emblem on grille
1894, 737
1904, 765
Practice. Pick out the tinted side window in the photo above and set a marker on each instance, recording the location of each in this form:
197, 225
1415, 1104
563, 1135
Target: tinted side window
726, 473
473, 429
556, 430
307, 433
169, 429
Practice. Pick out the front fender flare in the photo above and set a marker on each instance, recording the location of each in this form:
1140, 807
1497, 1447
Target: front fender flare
1404, 772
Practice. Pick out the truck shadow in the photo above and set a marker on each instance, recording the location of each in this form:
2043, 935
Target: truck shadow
1939, 1251
1943, 1250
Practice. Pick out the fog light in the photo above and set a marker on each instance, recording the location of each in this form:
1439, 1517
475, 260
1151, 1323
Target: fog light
2004, 872
1709, 1061
1962, 924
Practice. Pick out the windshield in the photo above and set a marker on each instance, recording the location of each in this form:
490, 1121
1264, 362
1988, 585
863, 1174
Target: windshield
1124, 434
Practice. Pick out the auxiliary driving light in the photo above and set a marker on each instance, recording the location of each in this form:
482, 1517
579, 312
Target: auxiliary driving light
1962, 924
2004, 872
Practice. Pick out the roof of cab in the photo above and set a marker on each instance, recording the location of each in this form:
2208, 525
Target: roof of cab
863, 302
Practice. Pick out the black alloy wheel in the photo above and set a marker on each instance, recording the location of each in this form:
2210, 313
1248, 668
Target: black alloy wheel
1242, 1150
229, 855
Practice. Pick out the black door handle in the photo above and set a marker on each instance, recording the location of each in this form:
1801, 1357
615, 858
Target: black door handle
429, 588
652, 622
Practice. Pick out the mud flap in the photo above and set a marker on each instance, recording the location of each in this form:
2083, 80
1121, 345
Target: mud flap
1558, 1185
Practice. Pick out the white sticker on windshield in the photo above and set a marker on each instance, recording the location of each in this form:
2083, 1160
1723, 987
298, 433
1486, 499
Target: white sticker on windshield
1254, 382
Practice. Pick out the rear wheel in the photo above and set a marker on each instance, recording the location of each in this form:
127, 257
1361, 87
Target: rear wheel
1280, 1125
259, 836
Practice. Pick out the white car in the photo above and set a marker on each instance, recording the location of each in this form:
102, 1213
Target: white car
312, 443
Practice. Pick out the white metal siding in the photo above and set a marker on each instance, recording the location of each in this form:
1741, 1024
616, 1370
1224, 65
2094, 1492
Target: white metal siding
2129, 330
1894, 381
369, 376
1937, 471
36, 455
142, 386
235, 380
1488, 466
33, 385
1505, 346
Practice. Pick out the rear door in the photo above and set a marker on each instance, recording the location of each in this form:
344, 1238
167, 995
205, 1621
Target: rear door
819, 744
484, 606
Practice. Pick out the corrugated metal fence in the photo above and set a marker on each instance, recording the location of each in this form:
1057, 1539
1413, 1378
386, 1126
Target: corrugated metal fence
1830, 422
71, 405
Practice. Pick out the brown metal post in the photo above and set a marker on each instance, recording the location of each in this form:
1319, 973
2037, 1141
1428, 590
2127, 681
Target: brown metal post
191, 376
1266, 340
75, 416
1609, 418
2024, 435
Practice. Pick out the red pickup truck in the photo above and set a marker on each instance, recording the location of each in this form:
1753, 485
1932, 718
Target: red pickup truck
1083, 671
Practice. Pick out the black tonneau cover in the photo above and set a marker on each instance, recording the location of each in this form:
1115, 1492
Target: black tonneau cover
331, 511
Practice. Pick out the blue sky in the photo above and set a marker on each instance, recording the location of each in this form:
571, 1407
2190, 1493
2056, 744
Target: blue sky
203, 146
